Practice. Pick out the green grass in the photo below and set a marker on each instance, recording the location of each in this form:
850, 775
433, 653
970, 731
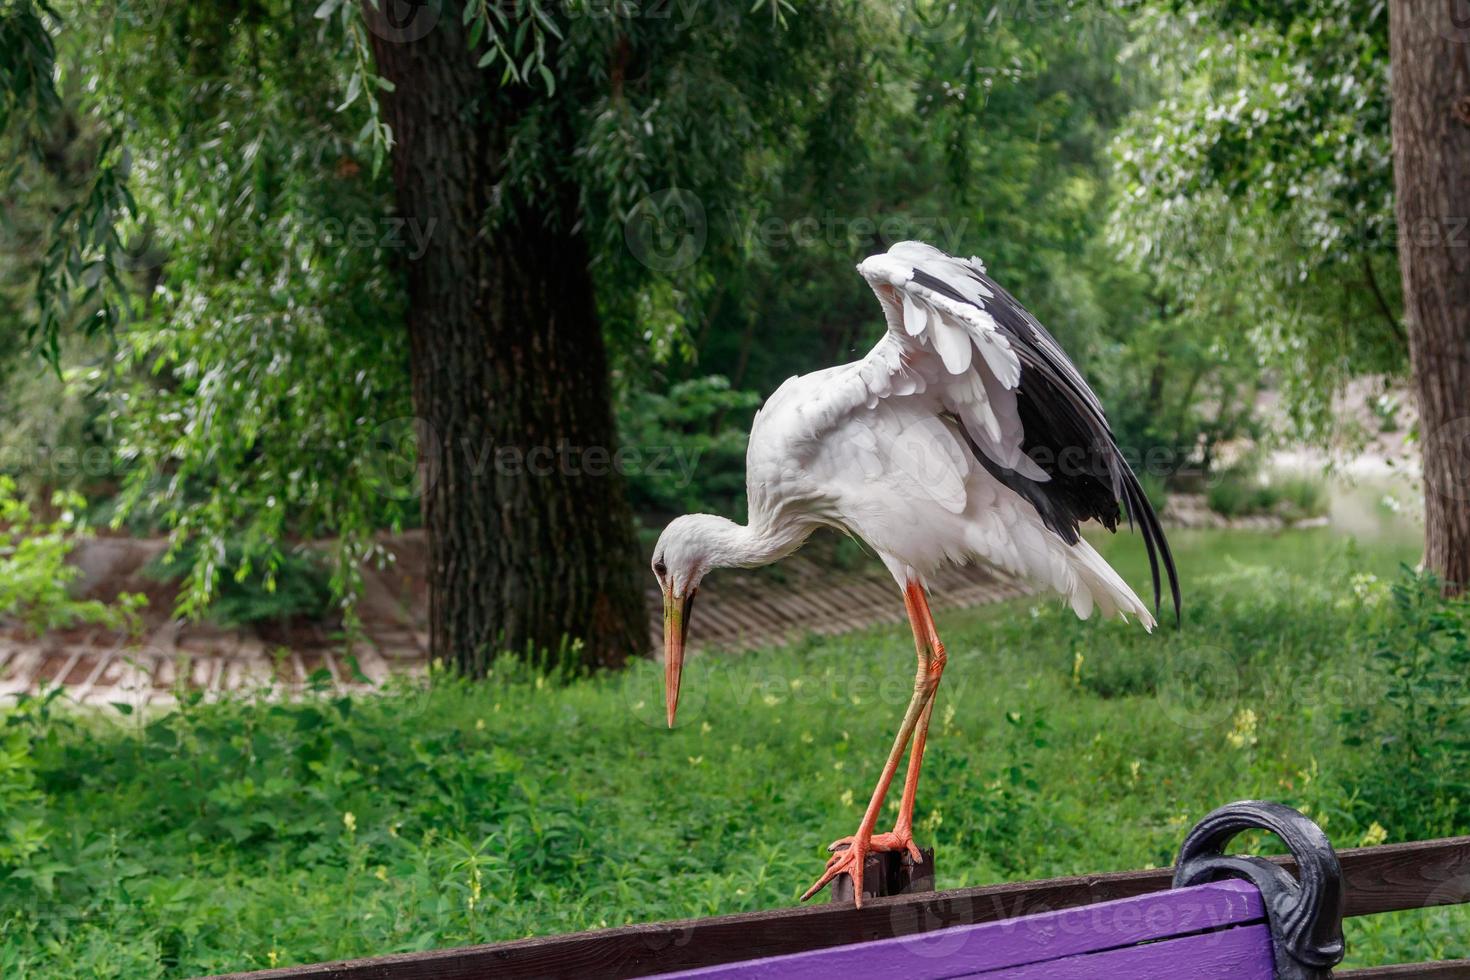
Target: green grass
249, 834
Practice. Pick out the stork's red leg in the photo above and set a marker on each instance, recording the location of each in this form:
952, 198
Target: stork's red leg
903, 830
931, 665
932, 659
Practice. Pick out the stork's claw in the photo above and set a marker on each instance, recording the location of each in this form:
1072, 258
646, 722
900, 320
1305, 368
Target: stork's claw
850, 862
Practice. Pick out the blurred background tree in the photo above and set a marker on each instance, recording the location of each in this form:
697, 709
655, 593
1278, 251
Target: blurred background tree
1431, 152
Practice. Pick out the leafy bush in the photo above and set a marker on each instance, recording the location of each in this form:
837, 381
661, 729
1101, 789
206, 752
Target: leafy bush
22, 813
1242, 492
34, 574
690, 444
285, 586
1304, 496
53, 433
1416, 716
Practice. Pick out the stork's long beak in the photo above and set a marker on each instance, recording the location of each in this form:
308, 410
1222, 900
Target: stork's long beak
676, 628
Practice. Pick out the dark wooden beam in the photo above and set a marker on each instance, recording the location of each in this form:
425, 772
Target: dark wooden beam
1450, 970
1416, 875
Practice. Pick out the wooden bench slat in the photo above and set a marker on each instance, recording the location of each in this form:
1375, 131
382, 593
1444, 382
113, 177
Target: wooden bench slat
1243, 953
1448, 970
996, 948
1397, 877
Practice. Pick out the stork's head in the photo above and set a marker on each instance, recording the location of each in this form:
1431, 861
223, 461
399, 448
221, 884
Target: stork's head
689, 547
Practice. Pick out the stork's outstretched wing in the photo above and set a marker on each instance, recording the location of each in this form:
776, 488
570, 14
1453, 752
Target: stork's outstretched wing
1031, 419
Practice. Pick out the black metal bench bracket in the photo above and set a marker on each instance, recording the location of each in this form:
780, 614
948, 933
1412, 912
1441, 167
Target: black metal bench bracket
1305, 911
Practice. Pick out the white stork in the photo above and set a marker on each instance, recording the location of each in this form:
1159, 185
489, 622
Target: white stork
965, 434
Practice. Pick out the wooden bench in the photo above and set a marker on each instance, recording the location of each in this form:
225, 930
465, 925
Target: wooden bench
1213, 930
1212, 916
1258, 923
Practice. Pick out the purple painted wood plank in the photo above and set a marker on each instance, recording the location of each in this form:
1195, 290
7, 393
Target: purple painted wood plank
1046, 936
1241, 953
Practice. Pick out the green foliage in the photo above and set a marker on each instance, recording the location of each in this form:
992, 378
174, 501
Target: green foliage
296, 585
706, 120
1256, 189
27, 63
34, 574
697, 433
79, 285
1385, 409
1418, 722
1301, 496
77, 280
254, 831
259, 391
53, 431
23, 830
1243, 491
363, 83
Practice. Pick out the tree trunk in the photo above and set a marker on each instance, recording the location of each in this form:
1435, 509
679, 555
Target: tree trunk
531, 540
1430, 56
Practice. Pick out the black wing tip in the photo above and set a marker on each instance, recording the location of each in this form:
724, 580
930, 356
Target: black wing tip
1041, 354
1157, 545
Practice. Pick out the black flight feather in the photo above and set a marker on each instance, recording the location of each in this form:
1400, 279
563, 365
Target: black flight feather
1065, 432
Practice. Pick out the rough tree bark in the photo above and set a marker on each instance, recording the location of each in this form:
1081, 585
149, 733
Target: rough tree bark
531, 539
1430, 55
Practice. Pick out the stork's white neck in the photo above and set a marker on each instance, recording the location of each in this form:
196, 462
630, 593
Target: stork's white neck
724, 544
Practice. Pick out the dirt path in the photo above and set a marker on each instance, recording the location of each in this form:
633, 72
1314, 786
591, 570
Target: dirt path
810, 592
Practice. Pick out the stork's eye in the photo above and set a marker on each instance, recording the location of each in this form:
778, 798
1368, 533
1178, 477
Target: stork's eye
660, 569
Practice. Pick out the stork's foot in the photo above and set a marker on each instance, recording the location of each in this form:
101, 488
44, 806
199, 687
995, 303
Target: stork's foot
852, 853
894, 840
